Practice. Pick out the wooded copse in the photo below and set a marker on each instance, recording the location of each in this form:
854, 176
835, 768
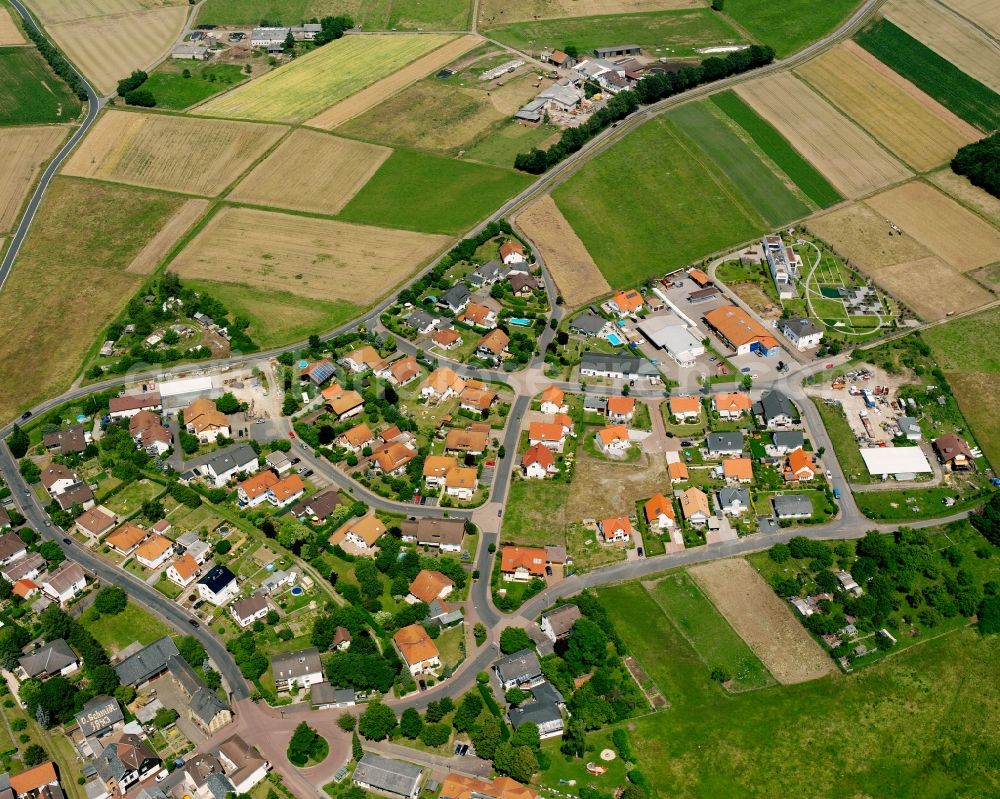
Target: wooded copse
980, 163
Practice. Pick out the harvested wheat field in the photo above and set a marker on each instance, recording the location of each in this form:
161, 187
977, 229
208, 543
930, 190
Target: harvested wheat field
909, 123
858, 233
158, 247
311, 171
310, 84
984, 13
983, 203
573, 270
9, 32
22, 153
763, 620
956, 235
387, 87
847, 156
317, 258
51, 12
500, 12
932, 288
194, 156
949, 36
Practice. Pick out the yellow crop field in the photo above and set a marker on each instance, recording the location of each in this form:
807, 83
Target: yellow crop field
300, 90
858, 233
952, 291
500, 12
984, 13
22, 153
158, 246
983, 203
908, 122
847, 156
316, 258
107, 39
949, 35
948, 230
9, 32
194, 156
389, 86
311, 171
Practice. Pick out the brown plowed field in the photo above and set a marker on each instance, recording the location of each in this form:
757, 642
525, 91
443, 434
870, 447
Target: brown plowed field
763, 620
157, 248
317, 258
949, 36
573, 270
932, 288
956, 235
373, 95
311, 171
22, 153
858, 233
985, 13
849, 158
500, 12
194, 156
909, 123
962, 190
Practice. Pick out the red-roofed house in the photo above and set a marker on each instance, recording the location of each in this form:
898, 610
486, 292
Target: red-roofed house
620, 410
615, 530
659, 512
538, 462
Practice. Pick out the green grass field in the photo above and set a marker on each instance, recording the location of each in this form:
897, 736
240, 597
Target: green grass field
418, 191
844, 442
965, 96
172, 90
30, 92
299, 90
777, 148
913, 504
438, 15
678, 33
133, 624
502, 144
767, 193
790, 25
531, 510
368, 14
647, 205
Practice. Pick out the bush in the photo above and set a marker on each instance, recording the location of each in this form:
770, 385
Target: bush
132, 82
779, 553
141, 97
222, 547
110, 601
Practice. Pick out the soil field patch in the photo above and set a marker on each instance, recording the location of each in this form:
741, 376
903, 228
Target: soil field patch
500, 12
107, 48
849, 158
909, 123
377, 93
70, 281
791, 24
30, 92
311, 171
316, 258
763, 620
984, 13
156, 250
194, 156
973, 101
22, 153
9, 32
949, 36
948, 230
300, 90
859, 234
601, 488
573, 270
932, 288
971, 196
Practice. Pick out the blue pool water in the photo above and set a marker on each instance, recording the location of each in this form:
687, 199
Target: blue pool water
297, 590
520, 321
620, 323
270, 567
303, 364
615, 340
81, 417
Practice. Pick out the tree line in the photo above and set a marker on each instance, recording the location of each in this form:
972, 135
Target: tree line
648, 90
58, 63
980, 163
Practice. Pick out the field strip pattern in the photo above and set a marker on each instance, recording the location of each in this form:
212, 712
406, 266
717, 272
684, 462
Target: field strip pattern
847, 156
51, 12
317, 80
193, 156
570, 265
149, 256
500, 12
763, 620
909, 123
22, 152
949, 36
316, 258
371, 96
984, 13
932, 288
959, 187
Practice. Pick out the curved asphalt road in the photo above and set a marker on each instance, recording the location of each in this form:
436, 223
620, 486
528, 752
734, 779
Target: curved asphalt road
94, 104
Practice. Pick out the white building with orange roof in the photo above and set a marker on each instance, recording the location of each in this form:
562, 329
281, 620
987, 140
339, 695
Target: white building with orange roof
429, 585
627, 302
549, 434
126, 538
694, 506
737, 470
554, 400
615, 529
436, 468
253, 491
286, 491
683, 408
441, 384
538, 463
613, 440
461, 482
183, 571
362, 359
357, 438
417, 649
731, 405
154, 551
659, 513
620, 410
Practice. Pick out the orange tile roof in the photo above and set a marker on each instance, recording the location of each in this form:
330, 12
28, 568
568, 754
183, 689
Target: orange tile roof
368, 528
414, 644
390, 457
258, 484
738, 468
495, 341
699, 277
478, 397
462, 477
553, 394
539, 454
545, 431
126, 537
658, 505
627, 301
444, 378
677, 470
185, 566
738, 326
287, 487
475, 314
439, 465
530, 558
615, 432
347, 401
358, 436
332, 391
563, 419
25, 588
509, 247
202, 414
680, 405
153, 547
95, 520
732, 402
621, 405
446, 338
405, 369
613, 523
694, 500
466, 440
366, 355
34, 778
459, 786
428, 585
799, 460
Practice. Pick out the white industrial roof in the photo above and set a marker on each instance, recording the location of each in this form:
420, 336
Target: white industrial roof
185, 385
670, 334
895, 460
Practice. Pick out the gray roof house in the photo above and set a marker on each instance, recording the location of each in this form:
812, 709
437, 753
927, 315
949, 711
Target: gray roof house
593, 403
99, 715
909, 427
724, 443
545, 711
486, 274
421, 321
323, 695
774, 409
792, 506
588, 324
225, 463
558, 622
734, 500
517, 669
384, 774
787, 440
208, 710
147, 663
456, 298
596, 364
55, 657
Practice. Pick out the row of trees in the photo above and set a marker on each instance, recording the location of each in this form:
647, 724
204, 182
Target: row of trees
59, 64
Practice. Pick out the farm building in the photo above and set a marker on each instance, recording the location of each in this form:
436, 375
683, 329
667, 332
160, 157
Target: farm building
190, 52
903, 463
617, 50
674, 337
740, 331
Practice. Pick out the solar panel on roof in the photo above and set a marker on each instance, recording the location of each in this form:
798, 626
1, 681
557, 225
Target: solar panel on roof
322, 372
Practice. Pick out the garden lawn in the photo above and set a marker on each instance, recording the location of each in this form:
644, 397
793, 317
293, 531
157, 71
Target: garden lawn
766, 191
130, 498
172, 90
431, 194
681, 31
965, 96
133, 624
648, 205
30, 92
533, 514
790, 25
816, 187
844, 443
928, 503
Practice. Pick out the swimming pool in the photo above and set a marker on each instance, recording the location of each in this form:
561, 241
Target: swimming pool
520, 321
297, 590
303, 364
614, 340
